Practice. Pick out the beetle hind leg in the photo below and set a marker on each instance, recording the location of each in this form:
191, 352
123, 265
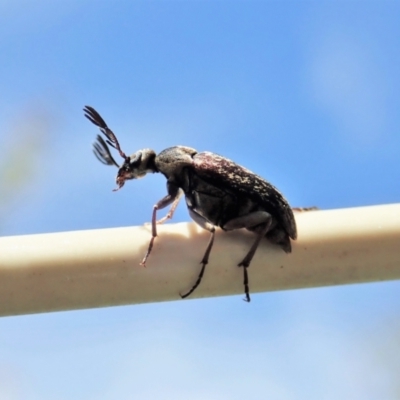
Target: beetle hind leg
247, 260
246, 285
259, 222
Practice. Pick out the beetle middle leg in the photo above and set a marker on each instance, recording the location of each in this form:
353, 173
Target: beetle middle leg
171, 211
172, 197
261, 221
209, 227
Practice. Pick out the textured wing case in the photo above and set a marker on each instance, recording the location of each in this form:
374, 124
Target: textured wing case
224, 173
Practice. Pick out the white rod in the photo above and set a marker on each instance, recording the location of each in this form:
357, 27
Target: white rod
99, 268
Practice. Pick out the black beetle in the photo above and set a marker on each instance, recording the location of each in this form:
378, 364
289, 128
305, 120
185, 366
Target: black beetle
218, 192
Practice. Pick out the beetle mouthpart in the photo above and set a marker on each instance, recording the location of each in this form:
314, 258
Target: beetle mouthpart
117, 188
120, 182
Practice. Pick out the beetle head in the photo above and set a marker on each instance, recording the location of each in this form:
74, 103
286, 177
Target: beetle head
136, 166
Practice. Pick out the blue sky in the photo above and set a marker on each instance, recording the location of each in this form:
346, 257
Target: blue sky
306, 94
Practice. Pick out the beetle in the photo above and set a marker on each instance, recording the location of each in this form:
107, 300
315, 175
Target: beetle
218, 193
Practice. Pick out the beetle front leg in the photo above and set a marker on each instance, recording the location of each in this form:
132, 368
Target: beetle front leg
171, 197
